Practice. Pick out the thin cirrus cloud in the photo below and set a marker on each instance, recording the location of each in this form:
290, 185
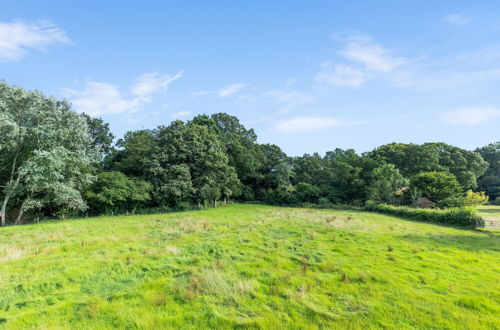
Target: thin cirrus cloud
98, 98
471, 116
181, 114
456, 20
303, 124
225, 91
17, 39
363, 60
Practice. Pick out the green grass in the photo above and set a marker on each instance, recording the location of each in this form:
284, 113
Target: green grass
248, 266
490, 212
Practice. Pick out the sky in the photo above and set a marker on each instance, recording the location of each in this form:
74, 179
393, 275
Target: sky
309, 76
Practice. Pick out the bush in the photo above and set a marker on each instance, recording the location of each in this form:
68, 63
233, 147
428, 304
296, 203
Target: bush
441, 188
462, 216
496, 201
475, 198
425, 203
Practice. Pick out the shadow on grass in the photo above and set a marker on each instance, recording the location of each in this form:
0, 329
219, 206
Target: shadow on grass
493, 211
470, 243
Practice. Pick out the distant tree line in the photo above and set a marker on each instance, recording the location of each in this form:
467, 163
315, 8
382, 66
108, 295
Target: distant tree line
55, 163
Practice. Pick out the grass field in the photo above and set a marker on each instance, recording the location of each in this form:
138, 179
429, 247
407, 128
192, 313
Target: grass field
491, 212
248, 266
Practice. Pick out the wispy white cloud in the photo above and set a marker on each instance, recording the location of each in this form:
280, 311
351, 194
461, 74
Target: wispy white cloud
230, 90
456, 19
181, 114
365, 59
151, 83
18, 38
99, 98
224, 91
301, 124
471, 116
373, 56
286, 97
343, 75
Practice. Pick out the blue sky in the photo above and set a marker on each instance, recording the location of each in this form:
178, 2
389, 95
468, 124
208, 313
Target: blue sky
309, 76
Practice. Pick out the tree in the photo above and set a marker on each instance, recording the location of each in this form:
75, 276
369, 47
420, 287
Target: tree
306, 193
386, 180
489, 182
409, 159
465, 165
441, 188
189, 163
412, 159
313, 169
240, 144
47, 156
115, 192
274, 176
349, 175
133, 153
102, 138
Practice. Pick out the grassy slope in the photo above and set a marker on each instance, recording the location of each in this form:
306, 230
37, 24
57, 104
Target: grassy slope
250, 266
490, 212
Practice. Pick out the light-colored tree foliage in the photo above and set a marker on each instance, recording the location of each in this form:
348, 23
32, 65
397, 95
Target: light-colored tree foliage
475, 198
46, 154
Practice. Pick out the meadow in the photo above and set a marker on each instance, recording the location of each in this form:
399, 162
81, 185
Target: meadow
490, 212
248, 266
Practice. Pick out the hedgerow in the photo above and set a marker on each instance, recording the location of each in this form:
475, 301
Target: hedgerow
463, 216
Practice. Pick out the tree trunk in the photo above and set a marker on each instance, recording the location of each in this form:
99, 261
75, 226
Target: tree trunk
4, 210
19, 216
8, 191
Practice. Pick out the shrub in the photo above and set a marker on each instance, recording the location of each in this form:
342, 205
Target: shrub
425, 203
462, 216
475, 198
441, 188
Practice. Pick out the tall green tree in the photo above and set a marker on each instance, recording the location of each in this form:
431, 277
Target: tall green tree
134, 152
490, 180
349, 176
240, 143
385, 181
412, 159
101, 135
189, 163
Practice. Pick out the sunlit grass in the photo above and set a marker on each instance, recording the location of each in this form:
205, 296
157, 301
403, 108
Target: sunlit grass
491, 212
248, 266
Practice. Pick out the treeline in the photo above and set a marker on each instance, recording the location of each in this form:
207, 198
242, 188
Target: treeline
54, 162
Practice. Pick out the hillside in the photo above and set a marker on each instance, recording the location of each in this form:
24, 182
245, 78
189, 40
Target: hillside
248, 265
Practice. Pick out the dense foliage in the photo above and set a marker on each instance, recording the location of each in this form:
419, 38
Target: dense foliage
54, 162
452, 216
490, 181
47, 155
